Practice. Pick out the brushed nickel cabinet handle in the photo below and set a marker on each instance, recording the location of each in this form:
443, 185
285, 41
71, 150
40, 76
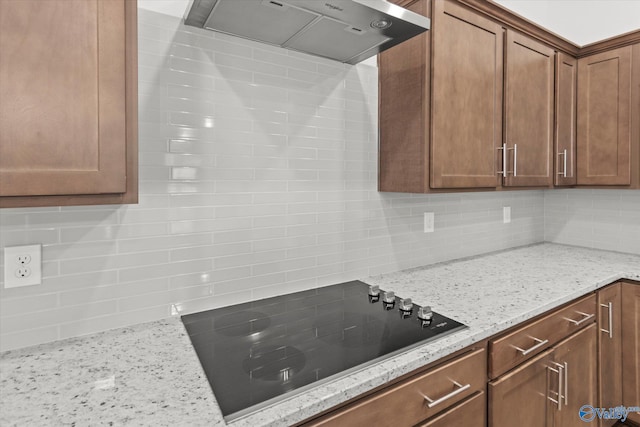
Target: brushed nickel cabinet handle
539, 344
515, 159
431, 403
504, 160
585, 317
566, 384
609, 307
564, 171
558, 371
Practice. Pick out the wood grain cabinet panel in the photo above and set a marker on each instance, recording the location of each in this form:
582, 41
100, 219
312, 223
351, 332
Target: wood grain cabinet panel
604, 118
610, 348
466, 126
631, 347
511, 349
565, 124
529, 112
522, 394
403, 112
407, 404
577, 355
471, 412
67, 99
549, 389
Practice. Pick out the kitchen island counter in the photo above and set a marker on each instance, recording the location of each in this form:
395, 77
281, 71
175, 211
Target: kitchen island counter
149, 374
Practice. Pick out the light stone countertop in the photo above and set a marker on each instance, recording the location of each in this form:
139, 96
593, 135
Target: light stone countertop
149, 374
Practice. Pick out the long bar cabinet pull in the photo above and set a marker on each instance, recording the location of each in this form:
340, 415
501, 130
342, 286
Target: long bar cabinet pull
564, 171
558, 371
585, 317
504, 160
539, 344
609, 307
566, 384
455, 392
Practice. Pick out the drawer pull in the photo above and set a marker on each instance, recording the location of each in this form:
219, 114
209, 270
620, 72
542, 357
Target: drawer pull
539, 344
581, 321
609, 307
431, 403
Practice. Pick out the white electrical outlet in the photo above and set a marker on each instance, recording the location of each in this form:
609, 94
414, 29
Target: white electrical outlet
429, 222
506, 214
22, 266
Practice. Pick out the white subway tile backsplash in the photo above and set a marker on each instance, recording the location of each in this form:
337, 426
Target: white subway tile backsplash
603, 219
258, 176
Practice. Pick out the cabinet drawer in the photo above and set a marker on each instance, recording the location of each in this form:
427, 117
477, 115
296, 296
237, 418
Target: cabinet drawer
468, 371
469, 413
508, 351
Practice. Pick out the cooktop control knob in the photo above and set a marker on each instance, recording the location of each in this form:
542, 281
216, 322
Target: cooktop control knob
425, 313
405, 305
374, 293
389, 300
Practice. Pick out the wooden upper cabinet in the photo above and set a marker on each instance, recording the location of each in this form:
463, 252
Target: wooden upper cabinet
565, 126
529, 112
466, 108
604, 118
403, 79
68, 109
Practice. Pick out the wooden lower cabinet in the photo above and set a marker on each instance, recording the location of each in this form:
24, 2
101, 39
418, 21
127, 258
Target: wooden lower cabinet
522, 395
579, 362
468, 413
631, 347
610, 348
549, 389
418, 398
578, 357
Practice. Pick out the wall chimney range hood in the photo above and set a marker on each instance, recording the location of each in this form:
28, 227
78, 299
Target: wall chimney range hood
348, 31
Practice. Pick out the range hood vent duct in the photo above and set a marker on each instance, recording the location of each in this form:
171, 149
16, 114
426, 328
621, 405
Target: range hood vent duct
348, 31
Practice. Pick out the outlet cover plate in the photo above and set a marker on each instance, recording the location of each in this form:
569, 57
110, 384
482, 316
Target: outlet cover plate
429, 222
22, 266
506, 214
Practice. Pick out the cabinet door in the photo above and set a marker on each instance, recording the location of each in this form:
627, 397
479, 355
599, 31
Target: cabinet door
578, 356
523, 394
62, 91
403, 112
565, 127
466, 126
610, 348
529, 107
470, 413
604, 118
631, 347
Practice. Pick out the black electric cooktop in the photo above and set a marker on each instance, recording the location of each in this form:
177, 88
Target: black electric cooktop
259, 352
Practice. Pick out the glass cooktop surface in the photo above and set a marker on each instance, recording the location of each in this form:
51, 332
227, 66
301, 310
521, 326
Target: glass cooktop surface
259, 352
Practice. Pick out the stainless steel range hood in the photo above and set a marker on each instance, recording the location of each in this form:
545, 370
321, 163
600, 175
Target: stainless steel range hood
344, 30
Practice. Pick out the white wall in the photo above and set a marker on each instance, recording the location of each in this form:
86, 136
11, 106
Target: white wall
580, 21
258, 175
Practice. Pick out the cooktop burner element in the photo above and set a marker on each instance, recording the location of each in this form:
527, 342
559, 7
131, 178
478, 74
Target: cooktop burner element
259, 352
